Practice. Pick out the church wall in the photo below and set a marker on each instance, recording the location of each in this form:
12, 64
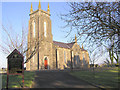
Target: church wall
81, 56
45, 50
28, 45
77, 56
61, 58
87, 59
46, 46
41, 57
61, 64
45, 43
68, 58
55, 52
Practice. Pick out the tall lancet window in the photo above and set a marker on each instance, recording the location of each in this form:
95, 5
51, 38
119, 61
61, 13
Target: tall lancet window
33, 28
45, 34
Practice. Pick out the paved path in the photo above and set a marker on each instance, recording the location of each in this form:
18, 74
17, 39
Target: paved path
58, 79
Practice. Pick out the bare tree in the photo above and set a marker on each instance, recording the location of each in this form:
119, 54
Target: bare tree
96, 23
111, 49
20, 43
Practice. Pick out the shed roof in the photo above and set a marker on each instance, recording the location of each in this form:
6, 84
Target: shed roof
13, 52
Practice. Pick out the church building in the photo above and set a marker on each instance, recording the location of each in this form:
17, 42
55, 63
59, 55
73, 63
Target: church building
51, 54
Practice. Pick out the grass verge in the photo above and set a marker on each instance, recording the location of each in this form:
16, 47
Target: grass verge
106, 78
16, 80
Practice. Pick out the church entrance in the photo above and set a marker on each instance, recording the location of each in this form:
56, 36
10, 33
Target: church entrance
46, 63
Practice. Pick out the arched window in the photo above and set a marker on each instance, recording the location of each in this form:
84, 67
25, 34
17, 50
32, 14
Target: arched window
33, 28
45, 34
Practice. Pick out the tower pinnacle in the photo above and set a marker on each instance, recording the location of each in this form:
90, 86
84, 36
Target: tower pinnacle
48, 8
31, 10
39, 6
75, 39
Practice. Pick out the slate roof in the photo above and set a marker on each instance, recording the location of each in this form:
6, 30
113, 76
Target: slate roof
64, 45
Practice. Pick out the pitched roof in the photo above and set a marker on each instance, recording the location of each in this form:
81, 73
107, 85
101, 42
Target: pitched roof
64, 45
13, 52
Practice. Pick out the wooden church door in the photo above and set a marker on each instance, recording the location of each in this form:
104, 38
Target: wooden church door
46, 63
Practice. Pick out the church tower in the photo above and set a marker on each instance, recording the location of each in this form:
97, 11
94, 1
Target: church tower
40, 39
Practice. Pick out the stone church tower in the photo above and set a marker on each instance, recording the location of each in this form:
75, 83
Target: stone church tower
45, 53
40, 35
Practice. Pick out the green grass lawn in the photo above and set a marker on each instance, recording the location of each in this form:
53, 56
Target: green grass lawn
104, 78
14, 80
